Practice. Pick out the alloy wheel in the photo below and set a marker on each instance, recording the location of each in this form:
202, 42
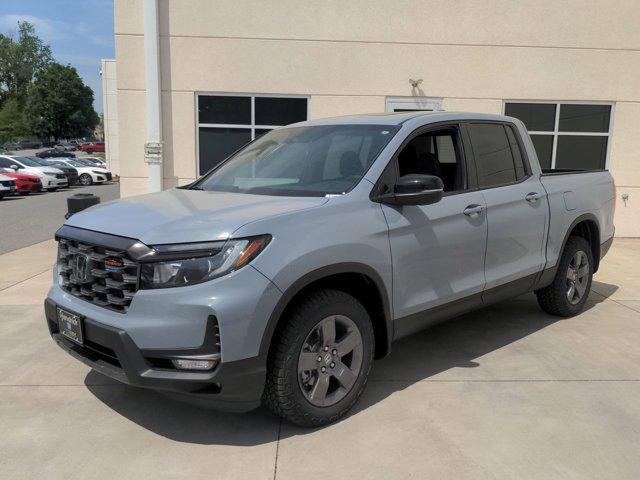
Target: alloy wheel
330, 360
577, 277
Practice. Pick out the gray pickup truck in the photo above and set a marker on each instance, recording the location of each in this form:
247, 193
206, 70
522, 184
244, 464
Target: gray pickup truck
279, 276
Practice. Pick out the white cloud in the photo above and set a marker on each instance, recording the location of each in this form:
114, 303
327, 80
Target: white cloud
48, 30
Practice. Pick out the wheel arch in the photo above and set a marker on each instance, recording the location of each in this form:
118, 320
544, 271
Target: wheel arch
587, 227
356, 279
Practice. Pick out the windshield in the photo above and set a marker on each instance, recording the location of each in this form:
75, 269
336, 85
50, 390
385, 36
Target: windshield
301, 161
27, 161
75, 163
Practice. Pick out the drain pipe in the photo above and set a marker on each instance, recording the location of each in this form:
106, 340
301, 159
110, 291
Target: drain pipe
153, 145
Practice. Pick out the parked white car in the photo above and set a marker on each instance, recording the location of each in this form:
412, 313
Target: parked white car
87, 175
7, 186
52, 178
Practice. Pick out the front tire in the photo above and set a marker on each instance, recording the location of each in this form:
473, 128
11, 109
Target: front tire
320, 360
85, 180
566, 296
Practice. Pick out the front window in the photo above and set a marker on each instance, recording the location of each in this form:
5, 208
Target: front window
302, 161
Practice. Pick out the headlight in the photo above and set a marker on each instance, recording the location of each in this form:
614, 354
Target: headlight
199, 265
98, 172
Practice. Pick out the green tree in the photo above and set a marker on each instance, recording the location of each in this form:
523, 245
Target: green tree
12, 124
60, 105
21, 59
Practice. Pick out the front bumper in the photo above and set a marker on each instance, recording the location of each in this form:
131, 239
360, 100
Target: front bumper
55, 183
232, 386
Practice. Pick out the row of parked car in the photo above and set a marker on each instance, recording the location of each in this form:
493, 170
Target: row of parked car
70, 146
24, 175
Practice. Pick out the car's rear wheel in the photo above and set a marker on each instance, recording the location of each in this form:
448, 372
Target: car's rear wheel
24, 194
320, 361
85, 180
568, 293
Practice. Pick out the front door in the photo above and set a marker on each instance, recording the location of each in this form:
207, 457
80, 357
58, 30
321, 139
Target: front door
437, 250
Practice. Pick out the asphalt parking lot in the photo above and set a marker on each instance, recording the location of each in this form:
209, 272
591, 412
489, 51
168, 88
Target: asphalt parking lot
26, 220
503, 393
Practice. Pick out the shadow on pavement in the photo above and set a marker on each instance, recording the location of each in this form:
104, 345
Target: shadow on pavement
456, 343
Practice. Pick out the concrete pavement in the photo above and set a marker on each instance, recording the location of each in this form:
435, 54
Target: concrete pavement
27, 220
506, 392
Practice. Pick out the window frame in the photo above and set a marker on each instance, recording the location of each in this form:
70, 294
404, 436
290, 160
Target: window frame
253, 126
555, 133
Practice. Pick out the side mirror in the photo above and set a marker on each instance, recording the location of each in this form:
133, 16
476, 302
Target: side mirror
417, 190
14, 167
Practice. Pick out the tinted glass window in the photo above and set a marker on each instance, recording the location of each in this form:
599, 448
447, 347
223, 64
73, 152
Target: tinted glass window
584, 118
280, 111
538, 117
517, 154
302, 161
544, 149
492, 151
223, 109
216, 144
581, 152
261, 131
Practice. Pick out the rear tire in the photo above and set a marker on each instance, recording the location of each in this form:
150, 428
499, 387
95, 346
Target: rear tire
316, 372
568, 292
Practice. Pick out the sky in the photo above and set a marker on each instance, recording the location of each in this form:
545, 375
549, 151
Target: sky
79, 32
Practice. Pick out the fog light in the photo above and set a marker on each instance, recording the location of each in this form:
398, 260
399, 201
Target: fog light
186, 364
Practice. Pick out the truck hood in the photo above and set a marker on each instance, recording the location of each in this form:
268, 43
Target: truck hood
177, 216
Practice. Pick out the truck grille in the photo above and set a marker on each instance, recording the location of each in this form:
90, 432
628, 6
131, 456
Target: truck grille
105, 277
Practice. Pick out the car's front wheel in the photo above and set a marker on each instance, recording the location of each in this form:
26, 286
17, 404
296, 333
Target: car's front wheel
85, 180
320, 360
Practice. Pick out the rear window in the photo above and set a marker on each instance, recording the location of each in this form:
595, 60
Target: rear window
494, 160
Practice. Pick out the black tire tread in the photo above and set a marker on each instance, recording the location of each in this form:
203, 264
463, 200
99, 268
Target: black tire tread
552, 298
278, 395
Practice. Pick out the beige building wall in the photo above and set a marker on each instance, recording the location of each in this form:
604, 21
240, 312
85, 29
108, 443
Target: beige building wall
110, 109
348, 57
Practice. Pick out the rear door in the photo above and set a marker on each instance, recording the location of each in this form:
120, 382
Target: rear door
517, 207
438, 250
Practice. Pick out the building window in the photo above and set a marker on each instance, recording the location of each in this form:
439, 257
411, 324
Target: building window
227, 122
566, 135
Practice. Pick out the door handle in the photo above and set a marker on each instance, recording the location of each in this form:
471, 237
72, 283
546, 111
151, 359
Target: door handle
533, 197
473, 210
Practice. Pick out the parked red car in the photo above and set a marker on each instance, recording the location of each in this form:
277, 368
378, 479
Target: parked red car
26, 183
93, 147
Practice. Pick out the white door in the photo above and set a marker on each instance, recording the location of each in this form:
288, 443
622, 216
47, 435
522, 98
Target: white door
412, 104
